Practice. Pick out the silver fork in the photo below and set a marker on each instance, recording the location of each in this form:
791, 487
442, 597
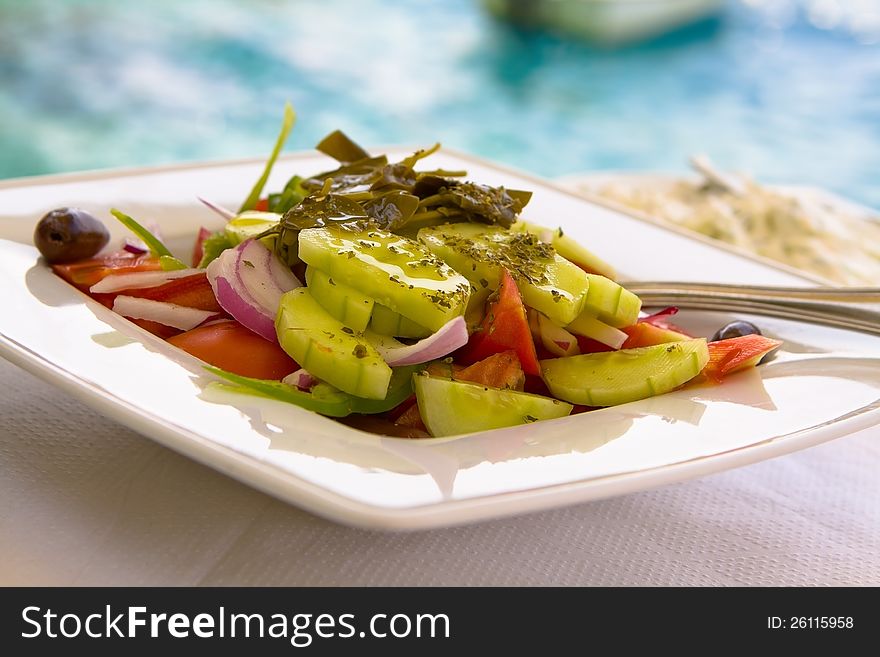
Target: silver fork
854, 308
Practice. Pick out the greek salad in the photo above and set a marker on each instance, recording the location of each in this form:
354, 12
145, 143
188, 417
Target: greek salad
396, 298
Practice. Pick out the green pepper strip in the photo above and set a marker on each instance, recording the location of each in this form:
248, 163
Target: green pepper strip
170, 263
286, 127
324, 398
166, 258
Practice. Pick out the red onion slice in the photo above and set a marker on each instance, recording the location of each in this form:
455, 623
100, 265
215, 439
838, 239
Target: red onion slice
134, 245
452, 335
263, 275
169, 314
249, 284
140, 279
300, 379
223, 212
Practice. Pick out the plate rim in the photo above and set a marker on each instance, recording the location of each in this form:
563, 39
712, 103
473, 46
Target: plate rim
290, 488
328, 504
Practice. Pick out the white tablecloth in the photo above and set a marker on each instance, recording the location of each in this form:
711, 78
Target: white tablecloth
85, 501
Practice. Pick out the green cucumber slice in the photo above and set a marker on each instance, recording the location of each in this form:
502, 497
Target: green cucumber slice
394, 271
449, 408
567, 247
547, 281
329, 350
250, 224
387, 322
611, 302
343, 302
618, 377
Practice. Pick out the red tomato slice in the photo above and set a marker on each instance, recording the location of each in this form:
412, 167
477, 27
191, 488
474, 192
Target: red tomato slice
647, 334
504, 327
85, 273
588, 346
234, 348
262, 205
735, 354
155, 328
199, 248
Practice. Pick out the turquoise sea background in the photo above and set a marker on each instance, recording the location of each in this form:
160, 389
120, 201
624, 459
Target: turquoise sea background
789, 90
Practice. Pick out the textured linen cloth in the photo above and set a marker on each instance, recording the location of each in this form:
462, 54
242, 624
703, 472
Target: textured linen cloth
86, 501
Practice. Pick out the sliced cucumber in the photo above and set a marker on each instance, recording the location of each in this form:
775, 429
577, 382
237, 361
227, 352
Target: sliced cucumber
329, 350
547, 281
249, 224
395, 271
568, 248
449, 408
618, 377
611, 302
342, 301
385, 321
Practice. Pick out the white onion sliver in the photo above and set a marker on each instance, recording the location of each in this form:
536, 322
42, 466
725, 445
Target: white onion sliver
223, 212
140, 279
592, 327
452, 335
169, 314
556, 339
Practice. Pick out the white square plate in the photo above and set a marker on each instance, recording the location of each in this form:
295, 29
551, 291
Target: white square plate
826, 382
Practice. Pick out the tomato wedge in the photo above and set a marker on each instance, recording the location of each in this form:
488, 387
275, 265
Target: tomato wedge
735, 354
85, 273
647, 334
234, 348
504, 327
588, 346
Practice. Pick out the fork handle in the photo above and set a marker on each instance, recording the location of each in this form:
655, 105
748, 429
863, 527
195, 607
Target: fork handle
850, 308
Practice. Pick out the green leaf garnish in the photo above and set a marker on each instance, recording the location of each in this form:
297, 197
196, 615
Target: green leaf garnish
153, 244
286, 127
213, 246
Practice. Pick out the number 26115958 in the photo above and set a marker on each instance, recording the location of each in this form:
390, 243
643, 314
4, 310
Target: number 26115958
810, 623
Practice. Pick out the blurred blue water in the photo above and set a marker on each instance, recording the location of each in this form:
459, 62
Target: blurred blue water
93, 84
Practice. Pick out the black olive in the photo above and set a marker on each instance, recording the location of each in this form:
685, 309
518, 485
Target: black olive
69, 234
739, 328
735, 329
